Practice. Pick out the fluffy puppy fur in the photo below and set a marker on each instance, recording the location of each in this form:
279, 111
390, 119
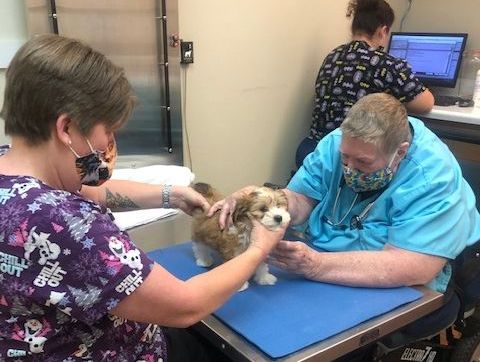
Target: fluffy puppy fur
266, 205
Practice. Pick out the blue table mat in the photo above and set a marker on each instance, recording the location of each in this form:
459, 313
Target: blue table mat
294, 313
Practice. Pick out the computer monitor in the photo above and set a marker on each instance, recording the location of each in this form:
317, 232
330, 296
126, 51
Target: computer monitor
434, 57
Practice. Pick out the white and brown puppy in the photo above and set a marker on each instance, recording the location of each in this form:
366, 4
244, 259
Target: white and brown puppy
266, 205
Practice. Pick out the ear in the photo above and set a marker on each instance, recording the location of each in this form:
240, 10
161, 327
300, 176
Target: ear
241, 209
383, 31
63, 126
403, 149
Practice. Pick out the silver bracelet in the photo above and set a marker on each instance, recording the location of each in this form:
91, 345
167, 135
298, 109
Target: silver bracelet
166, 196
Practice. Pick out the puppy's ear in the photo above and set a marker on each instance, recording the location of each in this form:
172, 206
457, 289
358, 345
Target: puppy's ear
241, 210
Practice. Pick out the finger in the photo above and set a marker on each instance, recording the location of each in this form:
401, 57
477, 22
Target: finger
205, 206
279, 264
222, 219
257, 224
215, 207
288, 246
287, 259
230, 220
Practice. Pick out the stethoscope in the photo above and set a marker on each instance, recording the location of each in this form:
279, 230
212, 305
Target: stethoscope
356, 222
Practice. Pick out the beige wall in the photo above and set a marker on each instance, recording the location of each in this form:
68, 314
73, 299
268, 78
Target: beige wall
249, 94
250, 90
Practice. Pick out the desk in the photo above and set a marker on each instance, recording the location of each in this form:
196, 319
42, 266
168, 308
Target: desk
329, 321
469, 115
459, 128
238, 349
454, 123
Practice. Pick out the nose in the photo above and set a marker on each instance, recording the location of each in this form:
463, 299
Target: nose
277, 218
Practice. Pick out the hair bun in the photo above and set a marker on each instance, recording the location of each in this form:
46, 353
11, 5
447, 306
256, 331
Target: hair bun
358, 6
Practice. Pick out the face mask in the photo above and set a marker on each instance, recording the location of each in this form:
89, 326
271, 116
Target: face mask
361, 181
96, 167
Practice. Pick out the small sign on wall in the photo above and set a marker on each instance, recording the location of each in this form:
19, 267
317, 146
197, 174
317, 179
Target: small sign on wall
8, 49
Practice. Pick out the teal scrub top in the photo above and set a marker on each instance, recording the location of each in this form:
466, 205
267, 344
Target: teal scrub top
428, 207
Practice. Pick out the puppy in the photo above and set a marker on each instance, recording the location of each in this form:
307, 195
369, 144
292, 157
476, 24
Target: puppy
266, 205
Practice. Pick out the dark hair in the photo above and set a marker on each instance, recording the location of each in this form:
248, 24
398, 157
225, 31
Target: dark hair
52, 75
369, 15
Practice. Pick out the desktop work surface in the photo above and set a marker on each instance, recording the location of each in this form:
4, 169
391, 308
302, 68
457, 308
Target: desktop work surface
300, 320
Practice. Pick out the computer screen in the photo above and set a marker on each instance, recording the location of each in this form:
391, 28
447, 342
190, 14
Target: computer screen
434, 57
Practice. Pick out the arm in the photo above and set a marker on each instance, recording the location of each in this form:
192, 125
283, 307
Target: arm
422, 103
390, 267
120, 195
299, 206
415, 96
168, 301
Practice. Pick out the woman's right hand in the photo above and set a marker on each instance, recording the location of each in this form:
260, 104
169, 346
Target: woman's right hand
227, 206
265, 239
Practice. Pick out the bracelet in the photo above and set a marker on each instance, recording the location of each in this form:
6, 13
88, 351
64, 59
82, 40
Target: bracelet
166, 196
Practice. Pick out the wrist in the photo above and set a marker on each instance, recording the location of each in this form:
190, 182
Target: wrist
167, 196
259, 250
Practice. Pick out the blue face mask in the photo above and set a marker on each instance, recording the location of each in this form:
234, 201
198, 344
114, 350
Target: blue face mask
362, 181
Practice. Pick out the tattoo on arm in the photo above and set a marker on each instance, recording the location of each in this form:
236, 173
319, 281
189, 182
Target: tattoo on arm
117, 201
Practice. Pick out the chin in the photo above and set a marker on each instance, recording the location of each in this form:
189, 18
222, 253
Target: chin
264, 204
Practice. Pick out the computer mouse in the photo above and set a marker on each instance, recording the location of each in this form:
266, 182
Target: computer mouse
466, 102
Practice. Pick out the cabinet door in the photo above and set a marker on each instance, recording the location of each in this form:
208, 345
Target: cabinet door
130, 33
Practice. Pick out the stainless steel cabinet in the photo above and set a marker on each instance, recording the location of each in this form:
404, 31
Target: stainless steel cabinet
134, 35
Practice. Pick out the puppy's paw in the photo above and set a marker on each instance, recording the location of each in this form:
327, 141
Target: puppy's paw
204, 262
265, 279
243, 287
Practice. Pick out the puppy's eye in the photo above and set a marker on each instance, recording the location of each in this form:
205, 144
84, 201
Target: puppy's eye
264, 208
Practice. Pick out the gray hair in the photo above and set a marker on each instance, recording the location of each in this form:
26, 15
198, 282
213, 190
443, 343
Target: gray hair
379, 119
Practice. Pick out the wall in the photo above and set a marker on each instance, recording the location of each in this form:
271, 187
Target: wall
250, 90
13, 28
249, 94
459, 16
446, 16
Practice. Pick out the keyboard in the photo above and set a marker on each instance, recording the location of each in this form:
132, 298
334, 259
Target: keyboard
444, 100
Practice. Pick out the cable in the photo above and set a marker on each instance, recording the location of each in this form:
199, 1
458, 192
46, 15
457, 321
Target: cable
184, 116
405, 14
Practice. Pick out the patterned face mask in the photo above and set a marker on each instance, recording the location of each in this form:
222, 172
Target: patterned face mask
361, 181
96, 167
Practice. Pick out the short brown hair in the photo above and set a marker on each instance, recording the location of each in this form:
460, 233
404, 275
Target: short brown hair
52, 75
380, 119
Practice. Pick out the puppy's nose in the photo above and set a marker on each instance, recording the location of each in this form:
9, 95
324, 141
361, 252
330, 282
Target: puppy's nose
278, 218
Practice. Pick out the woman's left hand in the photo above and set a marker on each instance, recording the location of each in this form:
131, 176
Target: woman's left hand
187, 199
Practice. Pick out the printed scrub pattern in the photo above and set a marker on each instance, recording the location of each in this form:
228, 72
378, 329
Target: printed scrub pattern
63, 265
350, 72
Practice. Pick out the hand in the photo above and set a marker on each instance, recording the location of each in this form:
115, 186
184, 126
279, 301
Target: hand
265, 239
227, 206
293, 256
187, 199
